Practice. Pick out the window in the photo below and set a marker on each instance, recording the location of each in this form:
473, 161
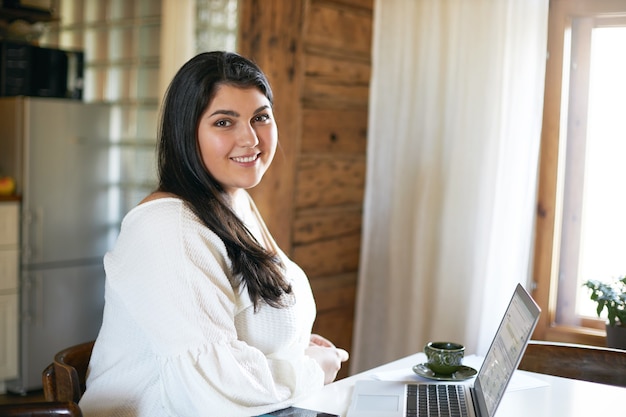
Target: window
121, 40
216, 25
581, 217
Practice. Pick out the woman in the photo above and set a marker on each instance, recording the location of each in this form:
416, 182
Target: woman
204, 314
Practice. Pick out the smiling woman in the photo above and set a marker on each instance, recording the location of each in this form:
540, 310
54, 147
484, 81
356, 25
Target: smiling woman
237, 147
203, 309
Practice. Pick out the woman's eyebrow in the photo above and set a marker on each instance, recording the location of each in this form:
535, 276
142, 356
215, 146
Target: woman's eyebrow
226, 112
260, 109
235, 114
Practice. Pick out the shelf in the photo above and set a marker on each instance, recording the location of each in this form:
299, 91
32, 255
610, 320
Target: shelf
10, 198
29, 15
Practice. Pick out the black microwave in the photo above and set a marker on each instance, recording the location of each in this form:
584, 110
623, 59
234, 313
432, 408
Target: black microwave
29, 70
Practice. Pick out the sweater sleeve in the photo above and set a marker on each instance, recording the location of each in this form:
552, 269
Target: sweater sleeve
172, 275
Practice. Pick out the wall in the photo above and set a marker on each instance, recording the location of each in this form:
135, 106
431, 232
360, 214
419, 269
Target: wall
316, 54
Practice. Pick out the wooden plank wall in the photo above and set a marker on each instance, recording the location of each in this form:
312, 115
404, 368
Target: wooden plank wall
317, 56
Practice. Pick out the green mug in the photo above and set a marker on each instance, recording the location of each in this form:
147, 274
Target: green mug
444, 358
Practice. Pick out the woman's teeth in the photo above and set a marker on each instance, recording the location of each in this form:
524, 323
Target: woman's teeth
245, 159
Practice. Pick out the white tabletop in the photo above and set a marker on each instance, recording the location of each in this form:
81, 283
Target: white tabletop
528, 394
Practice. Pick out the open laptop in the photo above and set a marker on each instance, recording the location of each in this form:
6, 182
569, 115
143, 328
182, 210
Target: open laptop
401, 399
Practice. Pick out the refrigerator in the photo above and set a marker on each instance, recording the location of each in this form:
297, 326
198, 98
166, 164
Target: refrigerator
58, 151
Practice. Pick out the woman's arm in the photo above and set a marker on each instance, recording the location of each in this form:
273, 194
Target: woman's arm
327, 355
175, 283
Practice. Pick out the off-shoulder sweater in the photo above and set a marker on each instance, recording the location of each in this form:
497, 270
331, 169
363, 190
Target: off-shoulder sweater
179, 339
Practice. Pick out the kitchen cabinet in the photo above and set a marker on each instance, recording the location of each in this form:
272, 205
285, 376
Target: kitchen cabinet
9, 271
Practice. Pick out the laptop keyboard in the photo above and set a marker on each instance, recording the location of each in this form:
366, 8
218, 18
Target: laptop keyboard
435, 400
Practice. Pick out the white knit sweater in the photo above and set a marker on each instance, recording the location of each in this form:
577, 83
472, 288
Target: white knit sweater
178, 340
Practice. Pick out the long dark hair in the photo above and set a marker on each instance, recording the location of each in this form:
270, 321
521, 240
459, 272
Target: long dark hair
182, 172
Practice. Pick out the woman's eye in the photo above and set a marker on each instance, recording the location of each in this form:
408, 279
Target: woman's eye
223, 123
261, 118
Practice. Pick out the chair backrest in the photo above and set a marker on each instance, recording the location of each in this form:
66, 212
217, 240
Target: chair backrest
64, 379
41, 409
587, 363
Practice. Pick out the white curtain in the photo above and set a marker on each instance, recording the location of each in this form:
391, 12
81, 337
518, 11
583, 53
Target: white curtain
454, 132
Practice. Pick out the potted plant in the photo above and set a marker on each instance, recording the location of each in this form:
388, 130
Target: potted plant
612, 297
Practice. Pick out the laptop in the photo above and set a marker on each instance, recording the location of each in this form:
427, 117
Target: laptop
401, 399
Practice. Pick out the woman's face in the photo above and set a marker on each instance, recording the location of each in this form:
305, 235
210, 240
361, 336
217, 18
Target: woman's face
237, 137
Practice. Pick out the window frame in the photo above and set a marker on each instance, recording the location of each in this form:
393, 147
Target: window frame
551, 166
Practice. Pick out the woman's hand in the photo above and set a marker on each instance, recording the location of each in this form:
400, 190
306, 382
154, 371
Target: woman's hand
327, 356
317, 340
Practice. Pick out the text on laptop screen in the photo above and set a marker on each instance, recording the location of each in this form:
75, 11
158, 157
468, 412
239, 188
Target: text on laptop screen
503, 355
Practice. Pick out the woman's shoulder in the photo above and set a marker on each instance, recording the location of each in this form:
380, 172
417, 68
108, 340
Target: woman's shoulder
165, 215
168, 220
161, 212
158, 195
156, 206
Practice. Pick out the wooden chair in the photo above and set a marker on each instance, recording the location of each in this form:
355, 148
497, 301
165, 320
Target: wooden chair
64, 379
587, 363
41, 409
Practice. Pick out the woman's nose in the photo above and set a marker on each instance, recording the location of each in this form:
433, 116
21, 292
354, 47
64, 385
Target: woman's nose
248, 137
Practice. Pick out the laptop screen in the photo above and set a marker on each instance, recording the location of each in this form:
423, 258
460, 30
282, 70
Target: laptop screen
506, 351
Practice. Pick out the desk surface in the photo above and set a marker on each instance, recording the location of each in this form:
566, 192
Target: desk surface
551, 396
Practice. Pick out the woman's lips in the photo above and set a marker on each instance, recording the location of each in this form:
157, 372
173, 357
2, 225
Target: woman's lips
245, 159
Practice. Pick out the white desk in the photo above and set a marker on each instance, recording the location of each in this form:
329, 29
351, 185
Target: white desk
551, 397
